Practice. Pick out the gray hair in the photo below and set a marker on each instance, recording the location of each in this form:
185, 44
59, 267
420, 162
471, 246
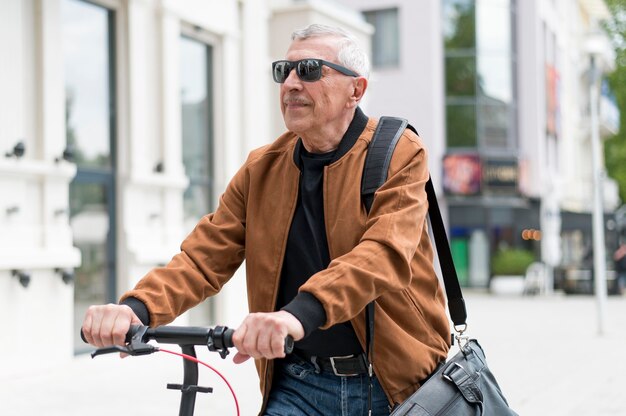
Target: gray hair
349, 54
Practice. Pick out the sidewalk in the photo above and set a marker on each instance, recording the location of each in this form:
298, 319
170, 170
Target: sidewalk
108, 385
547, 355
545, 352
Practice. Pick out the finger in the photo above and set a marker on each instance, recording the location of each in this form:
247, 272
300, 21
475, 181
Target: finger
264, 344
250, 342
278, 346
121, 325
249, 338
94, 330
240, 358
134, 320
86, 328
238, 337
277, 331
106, 327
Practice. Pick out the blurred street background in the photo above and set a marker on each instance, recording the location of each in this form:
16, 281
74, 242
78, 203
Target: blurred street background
122, 121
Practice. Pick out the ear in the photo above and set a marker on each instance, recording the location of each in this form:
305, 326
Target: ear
359, 87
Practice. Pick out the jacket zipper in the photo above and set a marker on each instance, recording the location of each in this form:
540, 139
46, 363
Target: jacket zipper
294, 202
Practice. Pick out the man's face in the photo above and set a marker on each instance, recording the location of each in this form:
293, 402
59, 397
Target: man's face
308, 107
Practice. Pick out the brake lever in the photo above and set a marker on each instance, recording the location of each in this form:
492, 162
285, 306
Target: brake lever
134, 350
109, 350
135, 347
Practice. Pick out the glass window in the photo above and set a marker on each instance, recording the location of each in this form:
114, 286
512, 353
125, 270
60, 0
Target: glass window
90, 225
86, 48
479, 59
494, 125
493, 27
461, 125
461, 76
386, 39
494, 78
196, 96
89, 61
459, 25
459, 32
197, 119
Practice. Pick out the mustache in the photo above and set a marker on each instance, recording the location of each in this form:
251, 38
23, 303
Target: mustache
287, 100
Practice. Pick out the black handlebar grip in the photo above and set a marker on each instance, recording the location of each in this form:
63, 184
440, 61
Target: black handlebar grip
288, 344
82, 336
228, 338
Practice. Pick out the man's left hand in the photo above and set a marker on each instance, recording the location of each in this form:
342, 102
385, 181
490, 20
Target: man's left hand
262, 335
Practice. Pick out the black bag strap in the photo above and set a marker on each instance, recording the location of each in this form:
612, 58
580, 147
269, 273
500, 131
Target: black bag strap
377, 161
379, 154
456, 303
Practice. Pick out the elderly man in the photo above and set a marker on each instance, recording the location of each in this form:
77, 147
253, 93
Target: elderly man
314, 257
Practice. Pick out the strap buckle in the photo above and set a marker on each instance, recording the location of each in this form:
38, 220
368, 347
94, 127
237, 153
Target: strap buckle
332, 364
447, 374
461, 339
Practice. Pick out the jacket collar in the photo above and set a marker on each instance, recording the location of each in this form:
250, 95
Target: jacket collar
356, 127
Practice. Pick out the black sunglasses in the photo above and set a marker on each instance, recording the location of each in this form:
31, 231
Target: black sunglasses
308, 70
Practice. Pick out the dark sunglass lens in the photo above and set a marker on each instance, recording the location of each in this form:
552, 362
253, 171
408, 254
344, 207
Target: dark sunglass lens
309, 70
281, 71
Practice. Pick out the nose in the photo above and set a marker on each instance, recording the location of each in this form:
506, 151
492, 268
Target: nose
292, 81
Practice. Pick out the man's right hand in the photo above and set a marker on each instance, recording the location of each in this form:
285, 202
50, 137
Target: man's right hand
106, 325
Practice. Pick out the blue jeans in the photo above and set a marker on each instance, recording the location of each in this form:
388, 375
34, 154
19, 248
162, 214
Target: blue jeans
297, 390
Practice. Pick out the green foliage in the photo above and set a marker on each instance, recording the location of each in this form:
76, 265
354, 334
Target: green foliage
615, 157
511, 261
615, 148
460, 17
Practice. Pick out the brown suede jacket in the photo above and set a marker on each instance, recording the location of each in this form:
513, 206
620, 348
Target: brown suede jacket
386, 256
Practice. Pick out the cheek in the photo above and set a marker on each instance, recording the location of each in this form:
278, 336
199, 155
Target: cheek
280, 103
281, 96
335, 95
332, 102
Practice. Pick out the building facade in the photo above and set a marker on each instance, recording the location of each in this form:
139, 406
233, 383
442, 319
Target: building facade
500, 91
121, 122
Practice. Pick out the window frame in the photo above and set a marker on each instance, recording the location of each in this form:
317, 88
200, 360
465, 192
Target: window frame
376, 14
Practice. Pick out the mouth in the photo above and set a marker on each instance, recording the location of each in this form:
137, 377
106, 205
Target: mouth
295, 103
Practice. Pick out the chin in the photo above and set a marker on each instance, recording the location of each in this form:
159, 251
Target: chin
296, 126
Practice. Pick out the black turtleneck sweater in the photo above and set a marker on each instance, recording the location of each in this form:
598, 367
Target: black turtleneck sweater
307, 252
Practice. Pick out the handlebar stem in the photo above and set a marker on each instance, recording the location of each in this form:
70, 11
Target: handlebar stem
189, 388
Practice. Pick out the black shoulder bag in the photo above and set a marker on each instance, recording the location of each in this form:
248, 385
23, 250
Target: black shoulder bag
464, 385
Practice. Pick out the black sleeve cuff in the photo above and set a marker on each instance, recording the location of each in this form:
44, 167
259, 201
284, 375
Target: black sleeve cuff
139, 308
308, 310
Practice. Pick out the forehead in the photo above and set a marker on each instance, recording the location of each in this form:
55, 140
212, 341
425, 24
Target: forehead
322, 47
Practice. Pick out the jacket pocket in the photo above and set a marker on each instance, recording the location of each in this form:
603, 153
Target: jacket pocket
411, 299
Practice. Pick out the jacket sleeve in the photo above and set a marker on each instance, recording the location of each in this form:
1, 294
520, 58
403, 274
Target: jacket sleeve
394, 249
209, 257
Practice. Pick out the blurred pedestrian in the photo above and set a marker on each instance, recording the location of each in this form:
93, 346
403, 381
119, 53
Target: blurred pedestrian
620, 267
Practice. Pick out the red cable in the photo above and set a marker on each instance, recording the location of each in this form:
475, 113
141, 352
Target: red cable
195, 360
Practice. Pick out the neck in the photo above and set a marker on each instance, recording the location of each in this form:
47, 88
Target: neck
328, 137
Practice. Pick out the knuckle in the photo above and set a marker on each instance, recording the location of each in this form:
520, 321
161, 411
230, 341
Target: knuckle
266, 350
118, 332
277, 343
249, 345
278, 347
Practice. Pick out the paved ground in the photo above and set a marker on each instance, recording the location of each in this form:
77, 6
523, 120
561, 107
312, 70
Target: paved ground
545, 352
